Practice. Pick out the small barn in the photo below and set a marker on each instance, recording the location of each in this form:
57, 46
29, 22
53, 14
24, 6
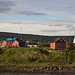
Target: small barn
58, 44
14, 42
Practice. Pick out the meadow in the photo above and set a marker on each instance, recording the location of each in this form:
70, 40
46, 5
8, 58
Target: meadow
34, 57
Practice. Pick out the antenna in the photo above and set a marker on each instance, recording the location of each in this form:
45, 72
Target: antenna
70, 35
21, 32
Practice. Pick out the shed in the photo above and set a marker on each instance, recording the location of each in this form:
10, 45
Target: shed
58, 44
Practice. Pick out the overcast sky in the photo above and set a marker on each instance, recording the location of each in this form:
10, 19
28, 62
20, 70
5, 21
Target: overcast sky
42, 17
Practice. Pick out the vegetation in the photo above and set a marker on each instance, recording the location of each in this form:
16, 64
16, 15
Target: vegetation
36, 57
33, 38
71, 46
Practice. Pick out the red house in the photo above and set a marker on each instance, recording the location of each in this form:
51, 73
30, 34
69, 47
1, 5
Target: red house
14, 42
58, 44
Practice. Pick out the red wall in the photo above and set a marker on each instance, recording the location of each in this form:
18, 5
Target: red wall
9, 44
52, 45
74, 44
59, 45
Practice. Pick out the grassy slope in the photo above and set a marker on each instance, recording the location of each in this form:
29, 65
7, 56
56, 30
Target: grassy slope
33, 57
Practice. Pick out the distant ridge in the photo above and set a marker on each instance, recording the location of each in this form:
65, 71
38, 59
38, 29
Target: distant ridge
32, 37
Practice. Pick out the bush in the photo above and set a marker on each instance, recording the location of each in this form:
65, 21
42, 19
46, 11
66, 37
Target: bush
32, 59
44, 52
70, 45
59, 59
41, 45
1, 50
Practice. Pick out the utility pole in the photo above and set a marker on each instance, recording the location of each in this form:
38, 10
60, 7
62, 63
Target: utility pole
70, 35
40, 38
21, 32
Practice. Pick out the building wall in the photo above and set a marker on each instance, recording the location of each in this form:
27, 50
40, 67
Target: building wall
74, 44
59, 45
9, 44
4, 44
32, 46
15, 43
52, 45
1, 45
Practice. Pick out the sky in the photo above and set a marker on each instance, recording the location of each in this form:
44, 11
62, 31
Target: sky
41, 17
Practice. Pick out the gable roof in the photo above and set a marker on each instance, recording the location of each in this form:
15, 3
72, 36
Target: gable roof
11, 39
58, 39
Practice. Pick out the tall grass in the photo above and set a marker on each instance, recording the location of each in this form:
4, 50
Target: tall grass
36, 57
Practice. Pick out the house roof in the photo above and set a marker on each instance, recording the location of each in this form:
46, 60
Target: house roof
11, 39
58, 39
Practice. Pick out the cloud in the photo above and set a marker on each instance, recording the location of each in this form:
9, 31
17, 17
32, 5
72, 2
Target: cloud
49, 31
48, 7
6, 6
30, 13
69, 26
3, 10
6, 3
34, 29
53, 31
54, 24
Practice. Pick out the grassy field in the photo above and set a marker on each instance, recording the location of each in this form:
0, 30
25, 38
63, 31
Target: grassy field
34, 57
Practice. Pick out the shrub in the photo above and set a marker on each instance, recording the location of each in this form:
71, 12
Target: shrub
70, 45
41, 45
59, 59
44, 52
1, 50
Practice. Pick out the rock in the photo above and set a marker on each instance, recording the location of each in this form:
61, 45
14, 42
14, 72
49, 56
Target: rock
59, 68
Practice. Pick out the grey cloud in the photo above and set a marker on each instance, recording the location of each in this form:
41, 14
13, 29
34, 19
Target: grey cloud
69, 26
52, 30
30, 13
49, 31
69, 7
54, 24
5, 6
48, 7
6, 3
3, 10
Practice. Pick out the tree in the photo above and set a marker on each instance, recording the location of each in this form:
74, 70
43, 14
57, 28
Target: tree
71, 45
41, 45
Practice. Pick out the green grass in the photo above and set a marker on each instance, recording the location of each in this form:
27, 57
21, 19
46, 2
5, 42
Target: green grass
33, 57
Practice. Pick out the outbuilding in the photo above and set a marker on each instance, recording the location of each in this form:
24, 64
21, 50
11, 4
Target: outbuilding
58, 44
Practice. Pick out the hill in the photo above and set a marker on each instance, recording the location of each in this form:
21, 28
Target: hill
36, 57
33, 38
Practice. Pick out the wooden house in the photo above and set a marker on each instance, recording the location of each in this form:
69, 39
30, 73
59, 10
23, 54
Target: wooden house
2, 44
14, 42
58, 44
